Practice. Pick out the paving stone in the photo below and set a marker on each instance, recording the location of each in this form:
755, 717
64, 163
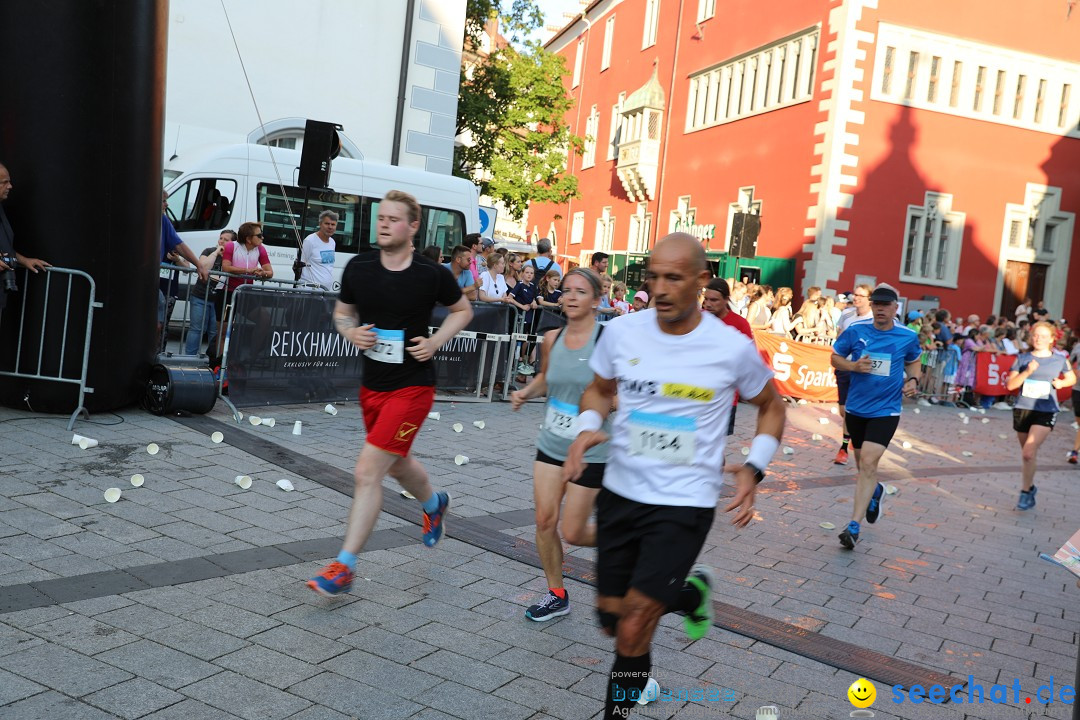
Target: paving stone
14, 688
56, 666
54, 706
384, 674
298, 643
196, 640
111, 582
553, 672
244, 697
232, 620
159, 664
465, 702
465, 671
139, 619
459, 641
390, 646
268, 666
82, 634
134, 698
355, 699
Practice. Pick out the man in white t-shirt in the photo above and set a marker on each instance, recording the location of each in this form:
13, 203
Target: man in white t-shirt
318, 253
675, 371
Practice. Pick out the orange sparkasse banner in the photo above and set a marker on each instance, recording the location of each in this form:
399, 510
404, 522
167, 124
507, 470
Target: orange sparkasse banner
801, 370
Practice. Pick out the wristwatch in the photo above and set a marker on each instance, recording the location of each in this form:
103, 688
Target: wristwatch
759, 474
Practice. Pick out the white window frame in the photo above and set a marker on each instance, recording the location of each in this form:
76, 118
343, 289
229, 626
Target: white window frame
774, 76
609, 38
651, 23
640, 229
934, 222
592, 129
705, 10
605, 231
579, 60
616, 127
577, 228
1018, 89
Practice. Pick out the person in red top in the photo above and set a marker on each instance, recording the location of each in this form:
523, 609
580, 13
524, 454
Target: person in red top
717, 297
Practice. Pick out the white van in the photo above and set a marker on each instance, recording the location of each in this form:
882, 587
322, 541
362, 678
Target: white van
218, 187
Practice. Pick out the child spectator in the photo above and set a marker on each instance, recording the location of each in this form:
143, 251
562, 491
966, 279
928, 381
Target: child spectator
619, 292
641, 301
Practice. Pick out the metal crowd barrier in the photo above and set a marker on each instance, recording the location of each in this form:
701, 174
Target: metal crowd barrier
218, 279
40, 371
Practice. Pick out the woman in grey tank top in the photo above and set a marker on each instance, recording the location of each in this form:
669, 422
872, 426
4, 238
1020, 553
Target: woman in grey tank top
564, 375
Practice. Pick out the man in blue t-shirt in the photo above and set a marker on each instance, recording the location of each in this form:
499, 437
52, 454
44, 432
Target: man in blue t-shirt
460, 261
884, 365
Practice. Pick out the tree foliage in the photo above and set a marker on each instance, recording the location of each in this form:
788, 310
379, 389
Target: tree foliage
511, 111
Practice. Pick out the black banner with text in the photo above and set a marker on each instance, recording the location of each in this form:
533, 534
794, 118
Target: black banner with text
283, 349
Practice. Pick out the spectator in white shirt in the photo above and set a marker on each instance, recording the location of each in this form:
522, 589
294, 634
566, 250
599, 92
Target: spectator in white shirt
492, 283
318, 253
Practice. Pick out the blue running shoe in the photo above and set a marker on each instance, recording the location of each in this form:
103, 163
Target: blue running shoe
435, 523
1027, 499
335, 579
874, 508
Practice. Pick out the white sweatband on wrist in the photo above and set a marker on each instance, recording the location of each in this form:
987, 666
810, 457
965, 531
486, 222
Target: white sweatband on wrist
588, 421
762, 450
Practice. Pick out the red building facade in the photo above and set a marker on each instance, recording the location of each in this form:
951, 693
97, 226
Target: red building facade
935, 146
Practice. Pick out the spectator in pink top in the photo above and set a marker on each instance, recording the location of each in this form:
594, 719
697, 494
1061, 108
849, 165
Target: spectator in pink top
247, 256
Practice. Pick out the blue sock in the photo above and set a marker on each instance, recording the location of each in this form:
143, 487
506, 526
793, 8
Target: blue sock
348, 559
853, 527
432, 503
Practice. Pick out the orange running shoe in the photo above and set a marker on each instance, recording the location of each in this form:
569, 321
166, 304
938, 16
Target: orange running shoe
335, 579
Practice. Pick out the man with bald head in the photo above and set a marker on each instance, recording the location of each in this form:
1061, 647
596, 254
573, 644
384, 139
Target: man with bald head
7, 238
675, 371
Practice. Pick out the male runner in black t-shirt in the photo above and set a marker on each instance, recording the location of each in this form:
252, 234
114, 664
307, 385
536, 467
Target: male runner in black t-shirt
384, 309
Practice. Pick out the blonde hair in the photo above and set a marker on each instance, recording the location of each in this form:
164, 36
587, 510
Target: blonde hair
618, 286
407, 200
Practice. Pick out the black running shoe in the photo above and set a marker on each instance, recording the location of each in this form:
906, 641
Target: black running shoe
549, 608
874, 508
848, 539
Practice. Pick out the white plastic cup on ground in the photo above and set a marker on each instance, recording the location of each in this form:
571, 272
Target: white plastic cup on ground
112, 495
296, 427
434, 416
254, 419
458, 427
461, 460
269, 422
88, 443
285, 485
479, 424
152, 448
137, 480
217, 437
789, 450
243, 481
76, 439
330, 409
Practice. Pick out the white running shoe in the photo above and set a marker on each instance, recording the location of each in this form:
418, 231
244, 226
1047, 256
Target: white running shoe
650, 693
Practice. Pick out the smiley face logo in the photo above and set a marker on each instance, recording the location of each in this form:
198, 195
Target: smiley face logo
862, 693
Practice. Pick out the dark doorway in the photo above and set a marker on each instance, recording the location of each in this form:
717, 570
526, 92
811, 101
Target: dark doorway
1022, 280
749, 274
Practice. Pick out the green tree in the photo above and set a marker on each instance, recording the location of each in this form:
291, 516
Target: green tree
512, 108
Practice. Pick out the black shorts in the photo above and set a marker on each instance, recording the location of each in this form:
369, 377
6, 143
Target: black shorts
1024, 419
878, 430
731, 421
843, 382
650, 548
1076, 402
592, 477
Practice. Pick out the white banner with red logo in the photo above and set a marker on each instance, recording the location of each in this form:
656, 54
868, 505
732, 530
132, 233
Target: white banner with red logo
991, 372
801, 370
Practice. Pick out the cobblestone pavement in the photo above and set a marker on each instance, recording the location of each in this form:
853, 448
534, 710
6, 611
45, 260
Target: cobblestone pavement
92, 624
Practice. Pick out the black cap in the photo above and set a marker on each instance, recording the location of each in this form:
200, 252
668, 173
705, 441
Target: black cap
884, 293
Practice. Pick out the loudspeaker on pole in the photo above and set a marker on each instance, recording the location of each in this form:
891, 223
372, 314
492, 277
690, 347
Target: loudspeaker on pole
321, 145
